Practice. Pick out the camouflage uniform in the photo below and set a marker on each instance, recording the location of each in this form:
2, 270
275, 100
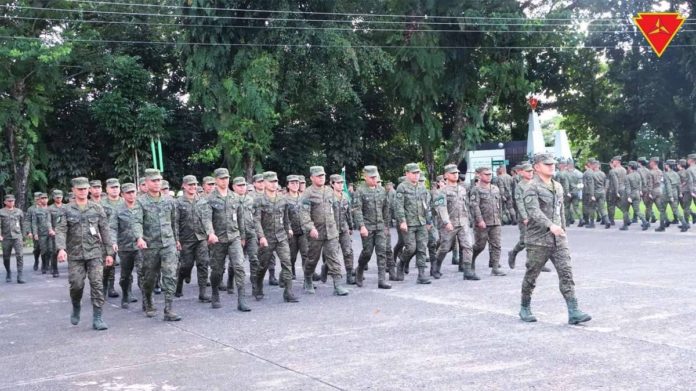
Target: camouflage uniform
685, 198
589, 207
504, 183
56, 216
672, 192
433, 234
646, 190
656, 193
634, 186
251, 245
109, 207
298, 241
616, 193
12, 227
600, 194
399, 246
30, 229
344, 219
121, 224
575, 179
40, 226
522, 215
486, 205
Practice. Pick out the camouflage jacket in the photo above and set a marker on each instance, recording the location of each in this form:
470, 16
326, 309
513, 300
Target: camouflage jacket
227, 216
41, 221
110, 206
588, 184
504, 183
57, 214
617, 180
412, 205
155, 221
519, 199
691, 179
575, 178
634, 185
486, 205
272, 217
13, 223
657, 180
343, 215
295, 203
544, 205
672, 184
121, 226
84, 232
317, 212
452, 205
646, 180
247, 203
371, 208
28, 227
563, 177
600, 182
683, 180
391, 199
194, 219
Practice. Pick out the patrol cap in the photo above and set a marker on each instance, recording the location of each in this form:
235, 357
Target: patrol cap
37, 194
421, 179
371, 171
79, 183
302, 179
642, 159
112, 182
526, 167
257, 177
451, 169
208, 180
316, 171
128, 187
516, 167
189, 180
544, 158
617, 157
655, 159
141, 181
691, 156
57, 193
525, 162
152, 174
9, 197
292, 178
682, 161
379, 180
561, 161
402, 179
591, 160
95, 183
165, 185
633, 164
239, 181
671, 161
335, 178
43, 195
412, 167
482, 169
440, 178
221, 173
270, 176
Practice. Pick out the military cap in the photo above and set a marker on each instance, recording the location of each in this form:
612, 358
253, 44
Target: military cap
189, 180
682, 161
642, 159
165, 185
95, 183
671, 161
141, 181
9, 197
57, 193
482, 169
526, 167
516, 167
336, 178
221, 173
270, 176
440, 178
292, 178
239, 181
525, 162
591, 160
451, 169
560, 161
316, 171
402, 179
412, 167
655, 159
208, 180
71, 195
43, 195
128, 187
633, 164
617, 157
112, 182
257, 177
152, 174
691, 156
371, 171
379, 180
37, 194
302, 179
421, 179
570, 161
79, 183
544, 158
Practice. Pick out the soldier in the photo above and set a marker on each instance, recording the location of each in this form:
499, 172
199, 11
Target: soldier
318, 220
486, 204
112, 201
691, 179
42, 230
30, 229
414, 217
194, 223
600, 193
527, 173
634, 185
617, 192
121, 227
562, 176
656, 195
672, 193
56, 211
12, 224
344, 219
226, 240
208, 185
685, 198
371, 216
504, 183
433, 234
453, 212
251, 245
546, 239
259, 189
646, 190
589, 203
303, 184
83, 239
575, 178
156, 235
298, 240
271, 215
142, 186
164, 189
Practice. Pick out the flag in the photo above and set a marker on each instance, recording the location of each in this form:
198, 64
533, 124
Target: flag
345, 183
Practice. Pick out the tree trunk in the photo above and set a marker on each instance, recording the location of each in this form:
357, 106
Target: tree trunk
429, 160
249, 164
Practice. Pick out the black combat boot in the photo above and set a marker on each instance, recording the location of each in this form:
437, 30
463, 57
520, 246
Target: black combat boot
422, 278
288, 296
469, 273
97, 321
662, 226
338, 289
179, 287
359, 275
512, 255
75, 315
215, 297
150, 310
381, 279
324, 272
272, 280
350, 277
400, 271
392, 273
202, 296
309, 285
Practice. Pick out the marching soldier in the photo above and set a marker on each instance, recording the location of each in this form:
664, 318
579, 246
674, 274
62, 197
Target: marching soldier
56, 210
121, 227
12, 224
344, 219
298, 240
42, 230
259, 189
617, 192
30, 229
656, 193
685, 198
646, 190
112, 201
600, 193
504, 183
486, 204
575, 177
634, 186
251, 245
589, 203
672, 193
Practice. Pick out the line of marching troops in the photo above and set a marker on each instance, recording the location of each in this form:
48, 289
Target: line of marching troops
214, 227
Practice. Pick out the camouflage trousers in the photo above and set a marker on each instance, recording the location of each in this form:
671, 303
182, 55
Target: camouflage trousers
251, 251
685, 202
415, 243
433, 244
659, 201
649, 202
53, 254
129, 260
37, 251
45, 251
390, 260
160, 261
399, 247
376, 240
218, 252
345, 240
620, 201
572, 206
298, 243
7, 246
282, 249
449, 239
508, 209
194, 253
601, 203
673, 203
492, 236
78, 270
635, 204
537, 256
330, 248
520, 243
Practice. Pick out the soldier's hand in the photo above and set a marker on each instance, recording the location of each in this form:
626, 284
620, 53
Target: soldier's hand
650, 195
36, 237
618, 195
693, 195
1, 238
178, 245
363, 231
629, 200
243, 242
263, 242
62, 256
115, 247
51, 232
290, 233
525, 221
314, 234
428, 227
557, 230
449, 227
403, 227
212, 239
109, 260
593, 198
481, 224
140, 243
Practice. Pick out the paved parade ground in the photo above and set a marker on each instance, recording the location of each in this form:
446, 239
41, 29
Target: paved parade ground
638, 286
